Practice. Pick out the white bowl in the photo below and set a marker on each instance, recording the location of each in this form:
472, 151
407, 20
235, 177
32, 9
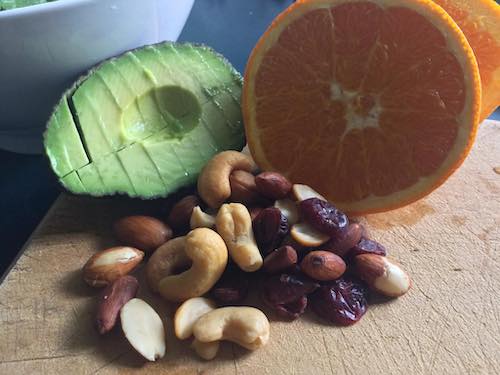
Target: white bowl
44, 48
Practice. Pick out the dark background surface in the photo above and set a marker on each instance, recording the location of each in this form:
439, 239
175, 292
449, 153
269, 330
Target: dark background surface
27, 186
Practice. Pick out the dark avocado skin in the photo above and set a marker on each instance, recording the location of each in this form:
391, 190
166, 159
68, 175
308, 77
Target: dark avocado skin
144, 123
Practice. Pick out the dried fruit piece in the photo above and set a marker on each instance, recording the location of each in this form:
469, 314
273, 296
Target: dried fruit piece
280, 259
341, 302
342, 245
366, 246
382, 274
285, 288
291, 310
273, 185
270, 227
324, 217
232, 287
323, 265
112, 299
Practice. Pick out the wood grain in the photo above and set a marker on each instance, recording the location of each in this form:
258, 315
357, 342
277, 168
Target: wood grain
449, 323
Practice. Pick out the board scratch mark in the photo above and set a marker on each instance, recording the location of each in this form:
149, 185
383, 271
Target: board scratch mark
39, 358
113, 360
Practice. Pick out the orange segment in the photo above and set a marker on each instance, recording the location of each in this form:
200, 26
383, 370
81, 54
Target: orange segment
480, 22
373, 103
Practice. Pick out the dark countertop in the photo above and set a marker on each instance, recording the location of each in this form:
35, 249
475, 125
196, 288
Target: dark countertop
28, 188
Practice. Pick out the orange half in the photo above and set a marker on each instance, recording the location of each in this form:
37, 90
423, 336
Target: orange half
373, 103
480, 22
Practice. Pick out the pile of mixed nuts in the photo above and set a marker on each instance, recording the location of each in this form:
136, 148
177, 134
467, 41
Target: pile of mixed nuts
300, 248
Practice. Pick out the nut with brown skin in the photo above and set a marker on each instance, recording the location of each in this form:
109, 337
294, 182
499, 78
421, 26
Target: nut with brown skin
108, 265
341, 245
323, 265
143, 232
382, 274
180, 214
273, 185
280, 259
112, 299
243, 188
213, 183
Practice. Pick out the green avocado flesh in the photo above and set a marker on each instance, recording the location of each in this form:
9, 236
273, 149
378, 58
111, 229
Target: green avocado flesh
12, 4
145, 123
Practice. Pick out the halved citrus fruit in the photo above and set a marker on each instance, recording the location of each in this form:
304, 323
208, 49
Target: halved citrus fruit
480, 22
374, 103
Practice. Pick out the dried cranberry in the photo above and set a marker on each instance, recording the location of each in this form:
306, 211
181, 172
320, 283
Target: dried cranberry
341, 302
232, 287
324, 217
270, 226
291, 310
284, 288
342, 245
366, 246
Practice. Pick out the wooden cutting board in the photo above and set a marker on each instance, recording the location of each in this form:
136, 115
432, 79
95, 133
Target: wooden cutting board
449, 323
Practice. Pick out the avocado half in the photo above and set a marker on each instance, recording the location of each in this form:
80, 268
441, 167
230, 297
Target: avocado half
146, 122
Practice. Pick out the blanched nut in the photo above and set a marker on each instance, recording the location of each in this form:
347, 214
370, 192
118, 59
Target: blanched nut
208, 254
188, 313
234, 224
213, 183
200, 219
206, 350
245, 326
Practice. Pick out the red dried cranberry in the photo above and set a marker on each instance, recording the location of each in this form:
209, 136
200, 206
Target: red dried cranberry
284, 288
343, 244
366, 246
270, 226
232, 287
325, 217
341, 302
291, 310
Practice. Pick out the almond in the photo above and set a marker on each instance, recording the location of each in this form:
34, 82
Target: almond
143, 329
108, 265
289, 209
143, 232
302, 192
307, 236
382, 274
112, 300
323, 265
273, 185
243, 188
180, 214
280, 259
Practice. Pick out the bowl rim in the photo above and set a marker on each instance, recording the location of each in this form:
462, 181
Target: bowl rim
43, 8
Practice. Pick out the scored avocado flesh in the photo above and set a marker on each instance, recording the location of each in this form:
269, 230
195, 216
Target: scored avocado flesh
13, 4
145, 123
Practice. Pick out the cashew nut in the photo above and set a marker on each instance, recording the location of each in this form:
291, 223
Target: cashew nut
213, 182
200, 219
188, 313
166, 260
208, 254
206, 350
246, 326
234, 224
